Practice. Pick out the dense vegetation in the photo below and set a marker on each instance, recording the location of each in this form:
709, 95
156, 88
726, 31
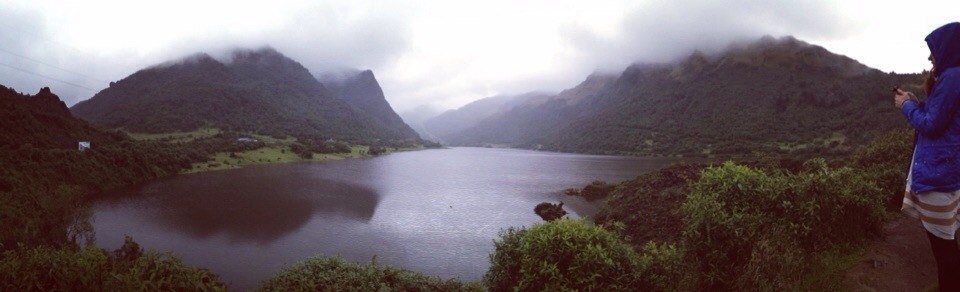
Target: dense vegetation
44, 184
767, 224
320, 273
567, 254
87, 268
260, 91
782, 96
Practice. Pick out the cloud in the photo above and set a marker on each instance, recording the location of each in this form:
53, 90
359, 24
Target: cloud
24, 58
544, 48
661, 31
84, 46
441, 53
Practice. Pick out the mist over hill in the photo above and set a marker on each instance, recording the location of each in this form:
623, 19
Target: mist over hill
260, 91
417, 116
449, 123
779, 95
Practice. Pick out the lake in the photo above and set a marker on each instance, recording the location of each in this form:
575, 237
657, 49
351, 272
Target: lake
433, 211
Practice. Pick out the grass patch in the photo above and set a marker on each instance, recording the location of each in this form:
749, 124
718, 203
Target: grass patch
266, 155
827, 271
271, 140
227, 160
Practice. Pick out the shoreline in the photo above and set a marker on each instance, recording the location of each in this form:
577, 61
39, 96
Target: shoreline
277, 155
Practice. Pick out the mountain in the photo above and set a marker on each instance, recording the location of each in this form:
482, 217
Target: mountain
448, 124
780, 95
43, 121
363, 92
416, 118
532, 118
259, 91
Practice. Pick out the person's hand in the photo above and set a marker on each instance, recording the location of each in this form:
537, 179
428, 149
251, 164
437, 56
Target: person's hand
902, 96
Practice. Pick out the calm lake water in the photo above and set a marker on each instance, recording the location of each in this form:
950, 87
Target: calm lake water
432, 211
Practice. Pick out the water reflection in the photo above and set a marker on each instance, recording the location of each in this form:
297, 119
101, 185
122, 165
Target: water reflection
432, 211
249, 204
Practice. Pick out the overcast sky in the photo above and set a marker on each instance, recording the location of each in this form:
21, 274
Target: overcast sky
439, 53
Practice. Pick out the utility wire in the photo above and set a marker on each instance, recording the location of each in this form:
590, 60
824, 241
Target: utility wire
48, 77
35, 35
55, 67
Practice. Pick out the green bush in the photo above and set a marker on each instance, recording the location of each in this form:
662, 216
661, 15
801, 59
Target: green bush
565, 254
886, 160
320, 273
91, 269
746, 228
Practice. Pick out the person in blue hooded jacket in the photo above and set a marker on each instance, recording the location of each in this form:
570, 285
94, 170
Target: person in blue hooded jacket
933, 182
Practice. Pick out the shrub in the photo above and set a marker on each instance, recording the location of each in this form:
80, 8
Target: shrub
320, 273
376, 150
549, 211
91, 269
747, 229
886, 160
564, 254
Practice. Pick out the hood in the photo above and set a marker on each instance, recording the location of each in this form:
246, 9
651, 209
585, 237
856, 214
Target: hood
944, 43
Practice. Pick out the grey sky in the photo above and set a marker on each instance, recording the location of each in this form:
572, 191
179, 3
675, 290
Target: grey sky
438, 53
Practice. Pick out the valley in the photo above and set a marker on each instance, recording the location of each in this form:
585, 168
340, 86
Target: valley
770, 165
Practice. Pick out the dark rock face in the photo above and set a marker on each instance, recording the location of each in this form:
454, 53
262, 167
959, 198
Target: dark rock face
550, 211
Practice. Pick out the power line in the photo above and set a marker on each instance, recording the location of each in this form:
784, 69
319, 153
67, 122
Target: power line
38, 36
48, 77
56, 67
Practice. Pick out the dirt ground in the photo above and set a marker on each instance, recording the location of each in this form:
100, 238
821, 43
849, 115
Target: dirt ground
902, 261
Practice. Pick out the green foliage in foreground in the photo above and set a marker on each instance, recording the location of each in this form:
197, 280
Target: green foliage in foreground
767, 224
320, 273
91, 269
746, 228
886, 160
570, 254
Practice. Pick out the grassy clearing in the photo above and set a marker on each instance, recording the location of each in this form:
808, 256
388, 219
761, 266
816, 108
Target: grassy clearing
176, 136
266, 155
271, 140
276, 150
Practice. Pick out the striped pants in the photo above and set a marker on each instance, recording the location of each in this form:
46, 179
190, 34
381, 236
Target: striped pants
937, 211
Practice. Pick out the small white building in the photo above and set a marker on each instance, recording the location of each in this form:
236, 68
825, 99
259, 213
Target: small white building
83, 146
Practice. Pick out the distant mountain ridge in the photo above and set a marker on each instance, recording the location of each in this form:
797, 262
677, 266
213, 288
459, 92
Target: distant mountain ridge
447, 124
779, 95
259, 91
417, 116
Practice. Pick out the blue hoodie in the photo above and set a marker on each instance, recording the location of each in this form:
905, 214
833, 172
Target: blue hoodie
936, 162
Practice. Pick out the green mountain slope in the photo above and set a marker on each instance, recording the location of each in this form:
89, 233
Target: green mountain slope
43, 121
363, 92
780, 95
258, 91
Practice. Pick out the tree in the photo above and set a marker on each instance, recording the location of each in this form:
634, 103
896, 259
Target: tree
564, 254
